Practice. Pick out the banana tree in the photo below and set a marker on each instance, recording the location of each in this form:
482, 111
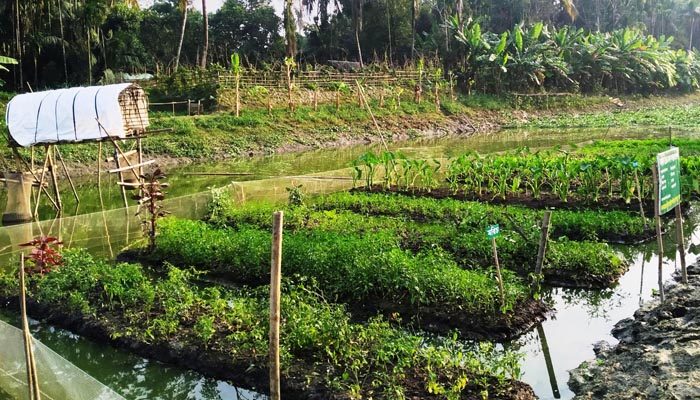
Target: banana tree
4, 60
236, 69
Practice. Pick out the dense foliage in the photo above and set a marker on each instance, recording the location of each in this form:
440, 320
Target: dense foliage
576, 257
321, 349
582, 46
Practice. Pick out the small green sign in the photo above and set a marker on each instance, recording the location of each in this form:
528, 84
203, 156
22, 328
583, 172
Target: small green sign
669, 170
493, 231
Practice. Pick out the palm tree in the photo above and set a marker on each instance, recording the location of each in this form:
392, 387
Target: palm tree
357, 23
206, 35
182, 5
290, 34
414, 12
693, 9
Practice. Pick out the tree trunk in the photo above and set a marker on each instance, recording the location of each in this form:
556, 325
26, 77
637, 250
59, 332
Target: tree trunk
19, 45
206, 35
692, 28
414, 9
63, 41
89, 59
289, 29
182, 37
359, 49
388, 26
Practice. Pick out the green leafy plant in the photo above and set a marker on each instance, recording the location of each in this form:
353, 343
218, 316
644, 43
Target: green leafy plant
295, 195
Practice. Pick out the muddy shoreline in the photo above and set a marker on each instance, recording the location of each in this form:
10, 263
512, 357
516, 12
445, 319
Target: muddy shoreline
658, 353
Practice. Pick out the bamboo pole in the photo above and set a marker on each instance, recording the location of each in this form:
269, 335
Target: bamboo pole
21, 161
70, 180
641, 201
119, 170
657, 218
32, 378
54, 179
99, 174
543, 245
275, 282
681, 245
498, 271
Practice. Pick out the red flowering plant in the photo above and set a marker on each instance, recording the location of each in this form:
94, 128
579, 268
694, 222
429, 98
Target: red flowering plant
44, 258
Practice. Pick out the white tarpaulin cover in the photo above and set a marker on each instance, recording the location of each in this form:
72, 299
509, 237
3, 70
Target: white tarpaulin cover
68, 115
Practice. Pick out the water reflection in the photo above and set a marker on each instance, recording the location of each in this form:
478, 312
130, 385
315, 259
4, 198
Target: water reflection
584, 317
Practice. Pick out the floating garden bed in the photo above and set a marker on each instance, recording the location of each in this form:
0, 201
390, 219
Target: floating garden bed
603, 176
223, 332
575, 258
369, 272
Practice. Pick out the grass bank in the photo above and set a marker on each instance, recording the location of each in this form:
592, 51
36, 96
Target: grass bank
222, 135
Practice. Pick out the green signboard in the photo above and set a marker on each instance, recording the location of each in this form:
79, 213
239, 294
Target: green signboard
669, 170
493, 231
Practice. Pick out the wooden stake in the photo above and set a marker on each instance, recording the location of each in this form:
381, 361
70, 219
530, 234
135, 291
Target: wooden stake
54, 178
544, 238
681, 245
657, 218
32, 378
70, 180
99, 174
275, 282
498, 271
641, 202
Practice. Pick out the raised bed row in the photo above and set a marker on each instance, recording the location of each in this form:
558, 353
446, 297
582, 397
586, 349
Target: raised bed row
224, 333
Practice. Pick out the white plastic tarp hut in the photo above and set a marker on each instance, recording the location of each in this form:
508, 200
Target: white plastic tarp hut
71, 115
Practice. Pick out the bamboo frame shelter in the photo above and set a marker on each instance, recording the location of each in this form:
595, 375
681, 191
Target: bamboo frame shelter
46, 119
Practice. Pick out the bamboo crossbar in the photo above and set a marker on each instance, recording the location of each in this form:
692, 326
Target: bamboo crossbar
133, 166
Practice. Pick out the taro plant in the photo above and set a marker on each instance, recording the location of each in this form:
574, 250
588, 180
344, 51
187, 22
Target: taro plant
388, 160
589, 176
151, 198
535, 174
427, 173
43, 258
356, 173
408, 170
370, 162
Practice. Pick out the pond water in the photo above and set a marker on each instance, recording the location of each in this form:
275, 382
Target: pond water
559, 344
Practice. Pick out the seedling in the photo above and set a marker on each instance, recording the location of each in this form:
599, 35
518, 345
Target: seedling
151, 197
43, 258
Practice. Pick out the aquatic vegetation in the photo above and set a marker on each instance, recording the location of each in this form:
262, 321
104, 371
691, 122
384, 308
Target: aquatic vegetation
322, 351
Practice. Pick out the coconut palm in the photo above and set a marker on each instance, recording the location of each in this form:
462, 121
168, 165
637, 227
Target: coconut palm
182, 5
206, 35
